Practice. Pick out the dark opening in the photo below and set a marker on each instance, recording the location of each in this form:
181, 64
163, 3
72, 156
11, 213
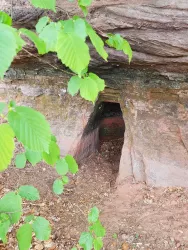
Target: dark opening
105, 133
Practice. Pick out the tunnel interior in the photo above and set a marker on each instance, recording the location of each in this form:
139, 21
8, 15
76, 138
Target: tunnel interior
104, 133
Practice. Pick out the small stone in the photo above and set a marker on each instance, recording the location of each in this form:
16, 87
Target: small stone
172, 239
125, 246
49, 244
166, 244
124, 236
56, 219
39, 247
178, 245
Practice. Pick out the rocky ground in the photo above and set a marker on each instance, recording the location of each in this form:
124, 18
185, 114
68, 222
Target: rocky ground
135, 216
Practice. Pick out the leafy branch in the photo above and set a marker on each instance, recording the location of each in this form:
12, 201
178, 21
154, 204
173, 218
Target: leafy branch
93, 238
45, 62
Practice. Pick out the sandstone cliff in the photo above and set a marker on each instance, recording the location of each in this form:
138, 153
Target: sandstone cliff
156, 29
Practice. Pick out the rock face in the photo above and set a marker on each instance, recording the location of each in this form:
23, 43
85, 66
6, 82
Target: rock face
156, 29
155, 111
156, 140
152, 91
67, 116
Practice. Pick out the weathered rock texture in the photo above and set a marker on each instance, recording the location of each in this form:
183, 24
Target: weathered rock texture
156, 139
152, 91
156, 29
155, 111
67, 116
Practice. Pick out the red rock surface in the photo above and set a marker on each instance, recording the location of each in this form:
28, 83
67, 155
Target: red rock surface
157, 30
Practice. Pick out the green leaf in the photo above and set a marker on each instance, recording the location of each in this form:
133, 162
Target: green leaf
127, 50
91, 86
100, 82
53, 138
12, 104
42, 23
29, 218
49, 35
76, 26
84, 9
65, 180
85, 2
74, 248
86, 241
24, 237
98, 244
54, 154
39, 43
4, 227
84, 72
73, 166
2, 107
97, 42
114, 236
19, 41
98, 229
5, 18
58, 187
6, 146
119, 43
44, 4
89, 89
8, 50
41, 228
11, 204
29, 193
80, 28
73, 52
33, 157
62, 167
93, 215
74, 85
20, 161
30, 128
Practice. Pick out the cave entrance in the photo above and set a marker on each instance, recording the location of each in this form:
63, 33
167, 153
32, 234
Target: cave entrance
105, 133
111, 133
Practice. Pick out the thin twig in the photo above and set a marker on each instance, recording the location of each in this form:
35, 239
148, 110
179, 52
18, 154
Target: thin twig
74, 205
33, 204
64, 11
11, 13
19, 211
43, 61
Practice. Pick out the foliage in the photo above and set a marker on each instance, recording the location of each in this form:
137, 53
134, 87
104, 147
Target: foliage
31, 129
6, 145
29, 193
20, 160
44, 4
11, 212
68, 39
63, 166
93, 239
117, 42
114, 236
5, 18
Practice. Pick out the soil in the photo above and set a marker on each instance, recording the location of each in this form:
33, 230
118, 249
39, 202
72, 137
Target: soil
135, 216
